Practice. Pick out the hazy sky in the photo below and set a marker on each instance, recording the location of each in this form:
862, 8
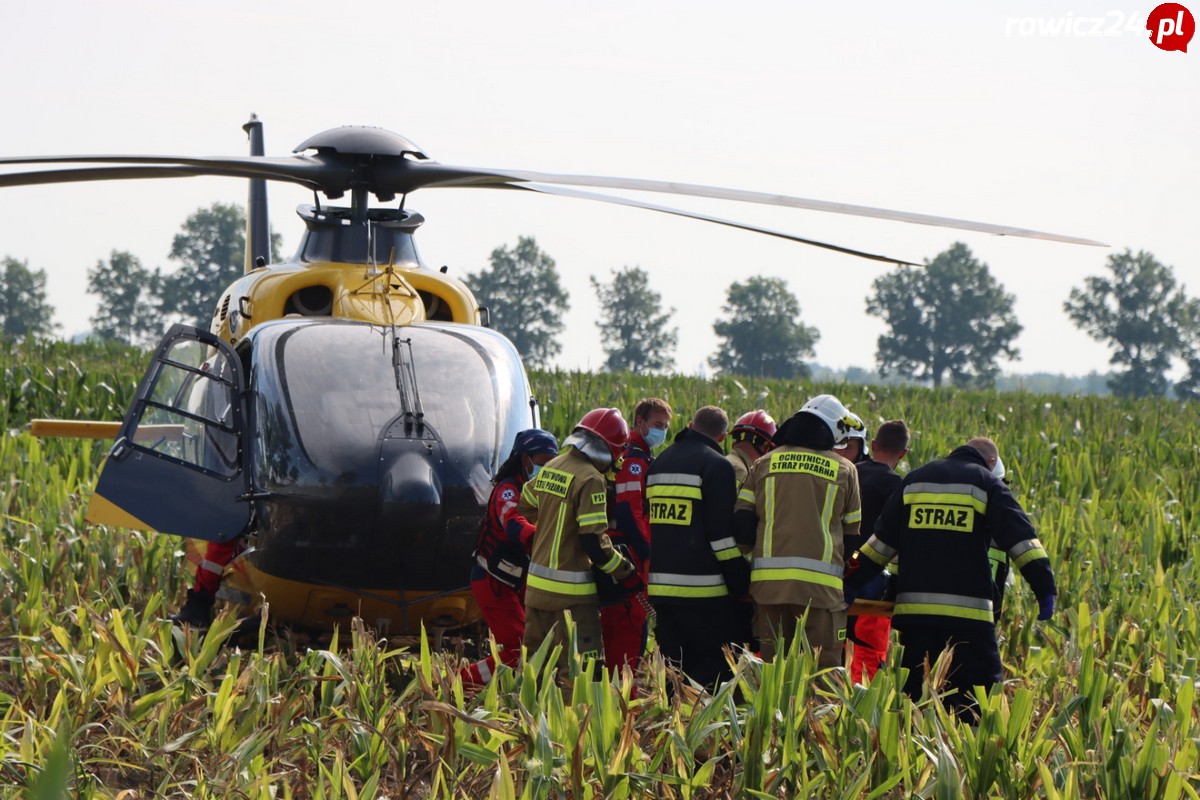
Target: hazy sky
947, 108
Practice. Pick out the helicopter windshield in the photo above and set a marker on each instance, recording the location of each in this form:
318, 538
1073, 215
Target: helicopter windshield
338, 394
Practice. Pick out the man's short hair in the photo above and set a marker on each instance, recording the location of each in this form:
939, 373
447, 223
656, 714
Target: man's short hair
985, 446
648, 406
892, 437
711, 421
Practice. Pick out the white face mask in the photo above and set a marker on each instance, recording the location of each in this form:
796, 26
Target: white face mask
655, 437
998, 470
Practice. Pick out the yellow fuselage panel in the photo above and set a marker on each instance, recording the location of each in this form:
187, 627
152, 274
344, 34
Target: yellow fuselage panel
385, 610
382, 296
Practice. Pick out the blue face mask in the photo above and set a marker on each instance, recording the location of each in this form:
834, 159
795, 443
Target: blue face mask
533, 472
655, 437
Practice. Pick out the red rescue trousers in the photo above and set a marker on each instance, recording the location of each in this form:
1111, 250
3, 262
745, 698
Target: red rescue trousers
216, 556
870, 647
504, 612
624, 631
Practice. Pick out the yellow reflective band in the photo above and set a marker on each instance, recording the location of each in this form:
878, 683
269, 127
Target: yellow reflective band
747, 495
769, 524
802, 463
941, 517
558, 531
936, 609
802, 575
596, 518
670, 512
727, 554
612, 563
852, 517
1029, 555
826, 516
946, 499
553, 481
560, 587
670, 490
529, 495
667, 590
873, 554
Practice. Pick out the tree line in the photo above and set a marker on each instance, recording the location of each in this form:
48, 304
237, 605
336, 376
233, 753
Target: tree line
951, 321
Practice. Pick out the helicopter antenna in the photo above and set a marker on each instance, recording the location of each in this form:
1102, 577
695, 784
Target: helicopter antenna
317, 202
258, 235
403, 200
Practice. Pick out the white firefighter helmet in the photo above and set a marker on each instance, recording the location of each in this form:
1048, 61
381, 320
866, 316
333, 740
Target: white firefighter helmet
859, 432
836, 416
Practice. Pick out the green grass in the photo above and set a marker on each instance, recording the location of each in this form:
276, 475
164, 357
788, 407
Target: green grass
98, 695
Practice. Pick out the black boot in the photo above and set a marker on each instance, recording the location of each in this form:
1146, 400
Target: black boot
197, 611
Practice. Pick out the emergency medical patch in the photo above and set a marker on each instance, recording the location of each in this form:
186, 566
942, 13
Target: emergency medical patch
508, 494
635, 469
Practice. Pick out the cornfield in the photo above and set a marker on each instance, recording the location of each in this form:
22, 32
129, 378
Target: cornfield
101, 697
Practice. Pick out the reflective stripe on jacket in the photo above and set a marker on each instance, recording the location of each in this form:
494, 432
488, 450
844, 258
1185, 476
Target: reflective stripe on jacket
691, 493
566, 501
805, 501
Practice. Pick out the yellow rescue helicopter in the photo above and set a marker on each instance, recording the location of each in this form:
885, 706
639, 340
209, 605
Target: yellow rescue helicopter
346, 409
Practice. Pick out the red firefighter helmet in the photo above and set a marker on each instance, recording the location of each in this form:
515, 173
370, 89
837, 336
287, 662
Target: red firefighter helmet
609, 425
757, 427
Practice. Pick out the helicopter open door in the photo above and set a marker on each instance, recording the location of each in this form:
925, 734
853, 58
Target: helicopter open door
189, 478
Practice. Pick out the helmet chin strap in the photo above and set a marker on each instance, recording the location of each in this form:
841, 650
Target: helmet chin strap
591, 446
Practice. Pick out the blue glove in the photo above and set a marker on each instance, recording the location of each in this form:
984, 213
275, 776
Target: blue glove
1045, 607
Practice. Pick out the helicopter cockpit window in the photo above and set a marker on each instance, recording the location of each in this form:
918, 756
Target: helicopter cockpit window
341, 384
188, 412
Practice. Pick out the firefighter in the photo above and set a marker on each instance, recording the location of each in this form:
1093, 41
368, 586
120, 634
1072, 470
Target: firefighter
698, 568
940, 524
624, 622
752, 438
797, 503
567, 502
501, 555
877, 481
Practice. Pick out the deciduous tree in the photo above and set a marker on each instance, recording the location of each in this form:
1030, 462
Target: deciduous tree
1143, 316
211, 253
762, 335
23, 307
633, 325
524, 298
129, 295
951, 318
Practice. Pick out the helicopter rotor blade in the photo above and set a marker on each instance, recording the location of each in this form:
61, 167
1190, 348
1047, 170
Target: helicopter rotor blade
442, 175
389, 174
563, 192
138, 172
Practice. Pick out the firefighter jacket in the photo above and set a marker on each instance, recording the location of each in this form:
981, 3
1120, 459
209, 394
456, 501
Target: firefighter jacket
795, 508
631, 525
691, 492
741, 466
566, 501
502, 549
941, 524
876, 482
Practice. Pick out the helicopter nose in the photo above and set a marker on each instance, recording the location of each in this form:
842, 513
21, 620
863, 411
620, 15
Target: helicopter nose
410, 487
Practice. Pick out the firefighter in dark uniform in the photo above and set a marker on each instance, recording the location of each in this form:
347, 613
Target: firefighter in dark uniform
625, 622
698, 568
752, 438
796, 505
877, 481
567, 501
502, 553
940, 524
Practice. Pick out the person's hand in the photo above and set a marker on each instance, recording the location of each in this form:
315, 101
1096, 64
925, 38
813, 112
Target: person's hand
1045, 607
